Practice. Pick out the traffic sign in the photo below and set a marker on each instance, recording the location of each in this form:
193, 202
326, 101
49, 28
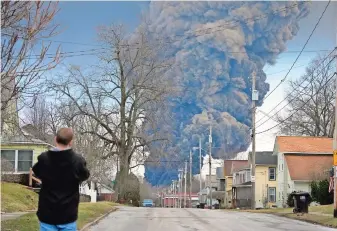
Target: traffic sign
335, 157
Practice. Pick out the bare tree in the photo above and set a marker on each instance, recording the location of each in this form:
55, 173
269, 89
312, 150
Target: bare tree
121, 95
24, 57
311, 101
43, 122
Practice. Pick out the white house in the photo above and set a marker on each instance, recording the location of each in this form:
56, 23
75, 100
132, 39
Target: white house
300, 160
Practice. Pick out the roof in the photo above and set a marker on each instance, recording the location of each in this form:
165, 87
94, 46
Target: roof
230, 165
22, 139
308, 167
303, 144
264, 158
99, 185
27, 135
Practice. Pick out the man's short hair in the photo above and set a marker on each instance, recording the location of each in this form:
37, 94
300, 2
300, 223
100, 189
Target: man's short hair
64, 136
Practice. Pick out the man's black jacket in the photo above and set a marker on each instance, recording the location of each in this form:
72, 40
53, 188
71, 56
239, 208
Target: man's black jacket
61, 173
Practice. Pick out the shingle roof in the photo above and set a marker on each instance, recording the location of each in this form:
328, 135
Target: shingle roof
304, 144
264, 158
229, 165
308, 167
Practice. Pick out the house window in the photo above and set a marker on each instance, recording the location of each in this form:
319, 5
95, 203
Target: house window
272, 173
8, 160
18, 160
25, 160
272, 195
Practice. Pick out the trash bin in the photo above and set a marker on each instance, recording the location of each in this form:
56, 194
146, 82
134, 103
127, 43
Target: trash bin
301, 202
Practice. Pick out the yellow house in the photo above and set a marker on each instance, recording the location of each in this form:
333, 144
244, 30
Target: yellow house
265, 182
265, 179
19, 154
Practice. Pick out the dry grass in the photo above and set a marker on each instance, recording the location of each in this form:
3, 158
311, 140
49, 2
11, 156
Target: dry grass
325, 209
17, 198
88, 212
317, 214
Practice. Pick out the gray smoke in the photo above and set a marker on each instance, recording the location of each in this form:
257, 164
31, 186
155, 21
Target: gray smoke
217, 46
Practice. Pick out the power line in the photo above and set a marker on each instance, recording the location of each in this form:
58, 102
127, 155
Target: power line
305, 79
274, 73
184, 37
285, 77
288, 102
237, 21
299, 107
210, 28
93, 52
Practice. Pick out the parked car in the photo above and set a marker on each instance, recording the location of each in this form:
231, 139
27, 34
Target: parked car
215, 204
148, 203
195, 204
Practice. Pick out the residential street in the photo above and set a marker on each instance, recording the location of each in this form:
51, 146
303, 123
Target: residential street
168, 219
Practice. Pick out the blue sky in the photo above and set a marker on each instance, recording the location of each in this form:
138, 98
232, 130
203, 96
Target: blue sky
79, 20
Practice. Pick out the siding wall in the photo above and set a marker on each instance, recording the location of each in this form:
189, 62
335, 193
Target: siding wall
262, 183
282, 175
302, 186
36, 148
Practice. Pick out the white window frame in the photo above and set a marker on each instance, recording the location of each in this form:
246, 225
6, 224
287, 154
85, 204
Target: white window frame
270, 174
269, 194
17, 160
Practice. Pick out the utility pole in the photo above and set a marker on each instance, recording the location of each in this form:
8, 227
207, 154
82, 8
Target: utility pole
175, 194
254, 98
173, 199
190, 177
210, 167
185, 176
200, 164
180, 186
335, 145
179, 189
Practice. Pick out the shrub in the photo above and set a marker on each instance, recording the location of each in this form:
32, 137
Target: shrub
320, 192
290, 201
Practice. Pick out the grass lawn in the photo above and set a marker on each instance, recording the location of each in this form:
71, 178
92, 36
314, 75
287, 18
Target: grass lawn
325, 209
17, 198
88, 212
316, 218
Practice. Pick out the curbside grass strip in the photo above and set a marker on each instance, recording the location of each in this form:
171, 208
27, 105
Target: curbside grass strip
313, 218
87, 226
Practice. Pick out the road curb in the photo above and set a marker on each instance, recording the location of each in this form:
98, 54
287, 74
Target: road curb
87, 226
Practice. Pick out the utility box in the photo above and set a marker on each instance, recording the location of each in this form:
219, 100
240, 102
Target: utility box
255, 95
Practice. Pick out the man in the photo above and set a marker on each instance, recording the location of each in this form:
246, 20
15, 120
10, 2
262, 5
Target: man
61, 171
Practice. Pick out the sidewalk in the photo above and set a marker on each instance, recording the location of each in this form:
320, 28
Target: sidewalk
320, 214
11, 216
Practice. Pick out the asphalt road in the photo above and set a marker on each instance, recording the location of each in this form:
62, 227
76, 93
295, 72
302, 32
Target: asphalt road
171, 219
